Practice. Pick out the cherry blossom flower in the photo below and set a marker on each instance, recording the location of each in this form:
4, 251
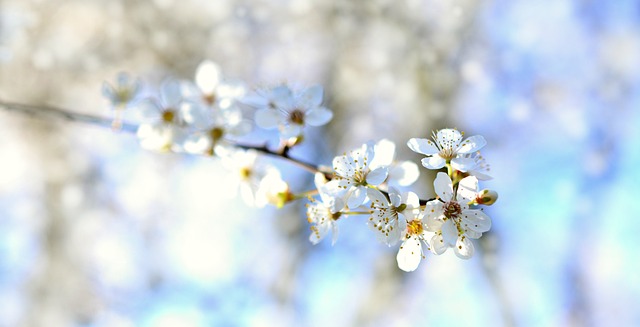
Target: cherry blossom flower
214, 129
291, 114
451, 219
324, 214
123, 95
354, 174
162, 128
412, 250
389, 217
211, 89
447, 147
246, 174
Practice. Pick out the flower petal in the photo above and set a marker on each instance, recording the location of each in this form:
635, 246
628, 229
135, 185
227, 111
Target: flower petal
170, 94
423, 146
449, 138
385, 152
476, 220
467, 189
472, 144
443, 186
449, 232
434, 162
291, 130
357, 197
378, 200
404, 173
410, 254
377, 176
343, 166
437, 244
312, 97
464, 248
318, 116
268, 118
462, 164
208, 76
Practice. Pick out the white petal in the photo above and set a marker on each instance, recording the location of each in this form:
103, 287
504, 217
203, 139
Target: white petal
467, 189
449, 232
480, 175
411, 200
462, 164
472, 144
291, 130
433, 223
449, 138
385, 152
149, 110
334, 233
409, 255
247, 194
208, 76
437, 244
170, 94
108, 92
395, 197
434, 210
464, 248
476, 220
443, 186
435, 162
357, 197
404, 173
377, 176
343, 166
423, 146
318, 116
312, 97
197, 144
378, 199
268, 118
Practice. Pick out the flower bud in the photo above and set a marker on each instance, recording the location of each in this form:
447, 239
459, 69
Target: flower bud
486, 197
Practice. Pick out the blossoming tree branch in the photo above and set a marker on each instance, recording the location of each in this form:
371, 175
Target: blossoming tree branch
204, 117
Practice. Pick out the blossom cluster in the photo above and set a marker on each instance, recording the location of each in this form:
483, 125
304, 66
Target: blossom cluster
206, 116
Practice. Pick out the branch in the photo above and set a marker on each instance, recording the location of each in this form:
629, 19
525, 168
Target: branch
58, 113
64, 114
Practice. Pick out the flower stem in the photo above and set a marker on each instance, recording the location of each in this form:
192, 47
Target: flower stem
357, 212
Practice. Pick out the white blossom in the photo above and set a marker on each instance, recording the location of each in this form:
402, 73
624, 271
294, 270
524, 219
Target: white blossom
448, 148
124, 93
451, 219
214, 128
354, 174
292, 113
324, 214
162, 128
246, 174
412, 250
389, 217
211, 89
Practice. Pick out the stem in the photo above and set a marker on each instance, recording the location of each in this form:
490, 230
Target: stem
357, 212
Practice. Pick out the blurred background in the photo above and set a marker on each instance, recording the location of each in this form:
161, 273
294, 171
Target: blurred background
95, 231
